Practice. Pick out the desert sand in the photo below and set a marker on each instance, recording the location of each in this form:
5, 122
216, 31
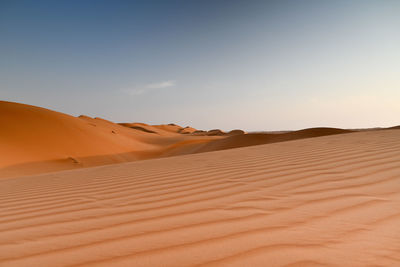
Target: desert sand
36, 140
324, 201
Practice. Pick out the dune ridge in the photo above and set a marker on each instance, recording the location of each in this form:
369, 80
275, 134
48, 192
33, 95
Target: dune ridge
327, 201
35, 140
38, 140
252, 139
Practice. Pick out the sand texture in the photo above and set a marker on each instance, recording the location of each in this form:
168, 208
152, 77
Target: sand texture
323, 201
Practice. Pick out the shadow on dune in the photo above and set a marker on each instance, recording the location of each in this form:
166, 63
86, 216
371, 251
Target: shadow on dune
394, 128
253, 139
142, 129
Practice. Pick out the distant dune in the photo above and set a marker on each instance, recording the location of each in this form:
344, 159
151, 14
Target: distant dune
326, 201
37, 140
241, 140
215, 132
236, 132
187, 130
145, 128
394, 127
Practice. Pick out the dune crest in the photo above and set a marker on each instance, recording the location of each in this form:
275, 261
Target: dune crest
33, 134
37, 140
238, 139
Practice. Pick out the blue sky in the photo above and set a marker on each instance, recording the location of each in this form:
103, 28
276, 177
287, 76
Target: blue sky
255, 65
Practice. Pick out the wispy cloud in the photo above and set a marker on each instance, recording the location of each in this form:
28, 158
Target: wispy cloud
150, 87
160, 85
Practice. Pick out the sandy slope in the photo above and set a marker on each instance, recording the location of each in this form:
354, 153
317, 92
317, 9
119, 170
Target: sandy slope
252, 139
325, 201
36, 140
33, 136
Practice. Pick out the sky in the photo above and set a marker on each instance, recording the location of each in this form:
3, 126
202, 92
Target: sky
253, 65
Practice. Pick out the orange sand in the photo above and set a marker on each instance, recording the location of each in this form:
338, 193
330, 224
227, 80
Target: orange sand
35, 140
324, 201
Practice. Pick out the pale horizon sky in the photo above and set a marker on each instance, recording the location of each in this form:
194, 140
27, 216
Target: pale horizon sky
253, 65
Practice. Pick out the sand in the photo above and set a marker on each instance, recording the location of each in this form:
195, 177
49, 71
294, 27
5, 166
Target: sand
35, 140
323, 201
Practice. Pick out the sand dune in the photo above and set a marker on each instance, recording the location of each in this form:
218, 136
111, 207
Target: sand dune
187, 130
215, 132
163, 130
325, 201
236, 132
241, 140
36, 140
32, 134
395, 127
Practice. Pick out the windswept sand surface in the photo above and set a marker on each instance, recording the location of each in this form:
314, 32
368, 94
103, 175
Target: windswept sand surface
325, 201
